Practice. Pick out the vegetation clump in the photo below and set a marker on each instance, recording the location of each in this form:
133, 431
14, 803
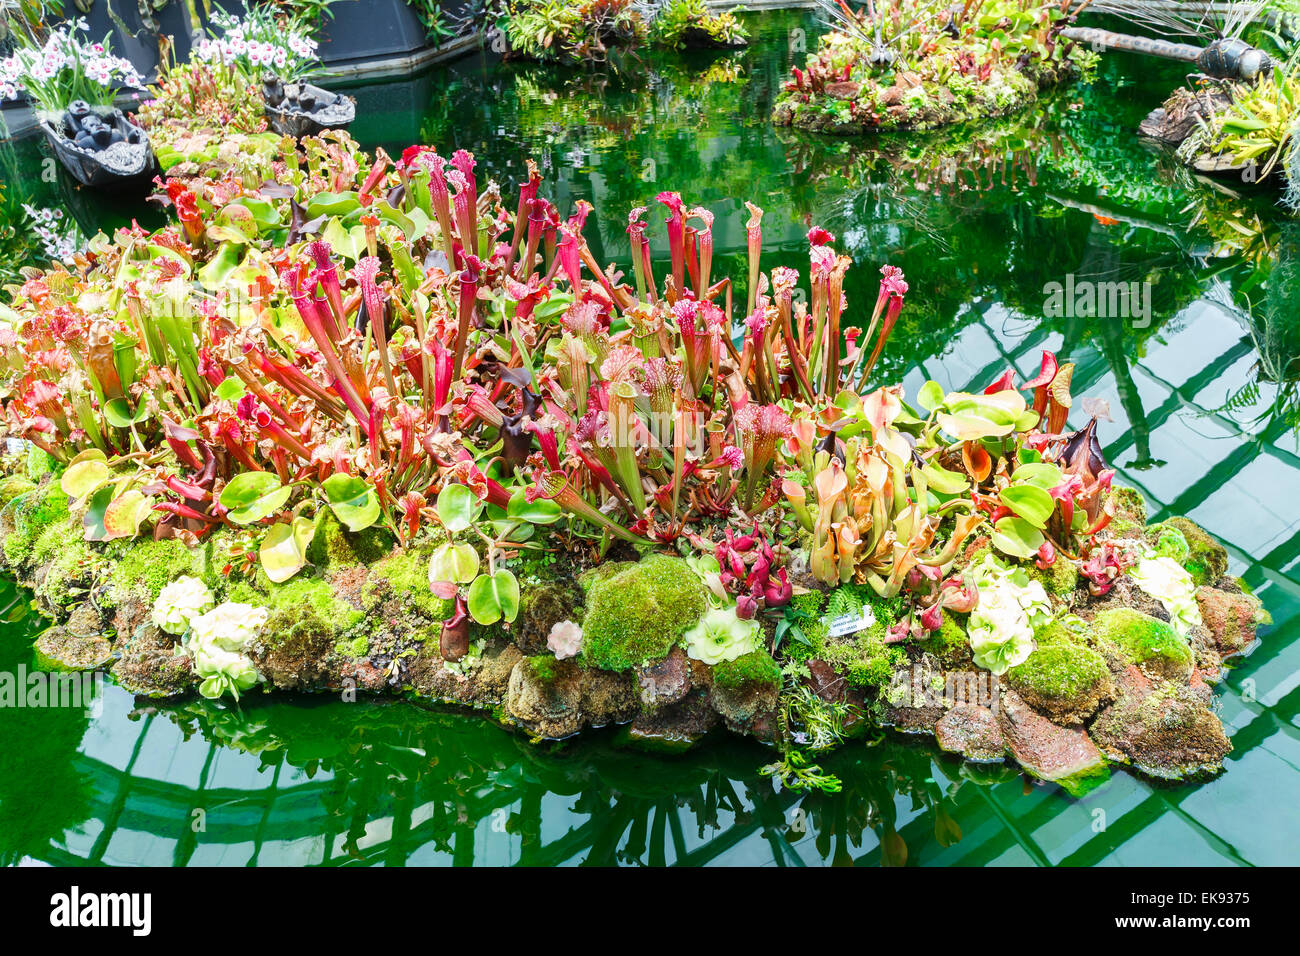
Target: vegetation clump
1143, 640
637, 615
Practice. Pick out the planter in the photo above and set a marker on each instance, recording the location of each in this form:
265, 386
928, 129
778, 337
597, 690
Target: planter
124, 164
300, 109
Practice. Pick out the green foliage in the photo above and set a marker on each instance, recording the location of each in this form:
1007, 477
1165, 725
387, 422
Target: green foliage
35, 511
1061, 577
863, 657
1059, 671
796, 773
1206, 560
407, 573
143, 568
637, 614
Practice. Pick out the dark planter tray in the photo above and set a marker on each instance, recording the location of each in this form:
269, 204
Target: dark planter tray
337, 112
120, 166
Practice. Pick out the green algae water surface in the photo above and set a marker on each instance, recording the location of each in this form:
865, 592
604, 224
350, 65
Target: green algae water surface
1199, 375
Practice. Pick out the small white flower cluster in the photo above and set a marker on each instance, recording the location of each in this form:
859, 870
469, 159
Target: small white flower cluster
256, 43
59, 237
216, 638
65, 62
1010, 608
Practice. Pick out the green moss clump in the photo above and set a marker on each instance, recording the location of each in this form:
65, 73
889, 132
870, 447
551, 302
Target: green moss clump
1061, 671
357, 647
602, 572
39, 463
544, 667
1061, 577
11, 486
636, 615
407, 572
334, 547
1129, 506
33, 513
1206, 560
144, 568
755, 668
1141, 638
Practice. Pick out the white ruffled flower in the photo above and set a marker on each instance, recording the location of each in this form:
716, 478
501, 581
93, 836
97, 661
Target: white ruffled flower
1169, 583
1001, 627
230, 625
565, 639
179, 603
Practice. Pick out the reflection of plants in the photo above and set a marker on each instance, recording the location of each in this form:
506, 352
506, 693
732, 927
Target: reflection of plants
437, 25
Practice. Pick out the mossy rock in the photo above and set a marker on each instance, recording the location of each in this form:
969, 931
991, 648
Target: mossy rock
1064, 680
1130, 510
950, 644
40, 508
1207, 559
11, 486
70, 573
1143, 640
746, 690
301, 596
635, 616
407, 574
141, 569
542, 605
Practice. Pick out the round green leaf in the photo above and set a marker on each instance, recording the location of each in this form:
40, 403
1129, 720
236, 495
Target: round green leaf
1017, 537
493, 597
457, 507
352, 500
1029, 502
453, 563
252, 496
541, 511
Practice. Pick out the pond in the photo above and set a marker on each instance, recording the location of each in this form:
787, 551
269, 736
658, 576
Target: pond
981, 221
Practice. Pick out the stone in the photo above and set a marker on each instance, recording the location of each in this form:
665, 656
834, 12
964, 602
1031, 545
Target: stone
971, 731
68, 651
545, 696
1163, 729
666, 682
1231, 618
1065, 756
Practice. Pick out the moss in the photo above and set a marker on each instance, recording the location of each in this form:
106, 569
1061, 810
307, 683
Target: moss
75, 565
1129, 506
407, 572
636, 615
11, 486
33, 513
146, 567
1061, 577
950, 643
1060, 671
755, 668
1141, 638
1206, 560
602, 572
544, 667
299, 596
357, 647
39, 463
334, 547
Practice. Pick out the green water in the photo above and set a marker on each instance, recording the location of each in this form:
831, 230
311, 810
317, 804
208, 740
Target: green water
979, 224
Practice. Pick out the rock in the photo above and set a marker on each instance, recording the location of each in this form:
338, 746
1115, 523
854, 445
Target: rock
1141, 639
1207, 560
1164, 729
1065, 756
545, 695
1182, 113
844, 90
666, 682
150, 667
608, 698
677, 726
746, 692
59, 647
1230, 617
914, 699
1063, 680
971, 731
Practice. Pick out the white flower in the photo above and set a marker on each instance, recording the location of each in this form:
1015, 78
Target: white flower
1169, 583
230, 625
721, 636
179, 603
565, 639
